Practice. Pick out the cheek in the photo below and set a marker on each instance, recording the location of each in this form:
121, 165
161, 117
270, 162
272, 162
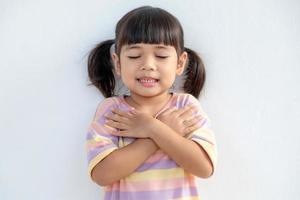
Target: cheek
168, 74
125, 67
128, 75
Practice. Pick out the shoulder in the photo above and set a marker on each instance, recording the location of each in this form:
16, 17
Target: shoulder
107, 102
106, 105
184, 99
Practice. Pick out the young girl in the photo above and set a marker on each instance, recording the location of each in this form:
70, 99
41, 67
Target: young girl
153, 143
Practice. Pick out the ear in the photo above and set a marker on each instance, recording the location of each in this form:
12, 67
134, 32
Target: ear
181, 63
116, 62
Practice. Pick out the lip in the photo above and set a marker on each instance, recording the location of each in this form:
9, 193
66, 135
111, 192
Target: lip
148, 84
148, 78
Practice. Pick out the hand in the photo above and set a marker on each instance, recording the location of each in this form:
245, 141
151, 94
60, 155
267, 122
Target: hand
131, 124
181, 120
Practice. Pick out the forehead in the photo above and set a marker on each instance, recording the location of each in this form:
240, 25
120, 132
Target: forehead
147, 46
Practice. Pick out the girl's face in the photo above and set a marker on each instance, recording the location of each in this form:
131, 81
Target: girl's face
149, 69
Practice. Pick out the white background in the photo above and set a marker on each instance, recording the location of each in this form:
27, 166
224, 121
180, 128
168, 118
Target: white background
251, 50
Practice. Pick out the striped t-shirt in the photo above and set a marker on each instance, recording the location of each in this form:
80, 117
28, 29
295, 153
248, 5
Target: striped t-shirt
159, 177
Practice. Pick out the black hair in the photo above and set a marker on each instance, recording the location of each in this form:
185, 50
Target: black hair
148, 25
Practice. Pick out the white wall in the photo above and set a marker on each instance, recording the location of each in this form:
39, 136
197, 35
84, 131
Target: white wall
252, 53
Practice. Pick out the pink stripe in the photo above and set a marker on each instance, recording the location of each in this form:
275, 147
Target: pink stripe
99, 128
97, 144
154, 185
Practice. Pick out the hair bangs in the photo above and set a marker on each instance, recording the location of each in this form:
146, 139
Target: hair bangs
151, 26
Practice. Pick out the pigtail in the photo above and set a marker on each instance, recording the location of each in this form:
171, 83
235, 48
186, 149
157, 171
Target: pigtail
194, 74
100, 68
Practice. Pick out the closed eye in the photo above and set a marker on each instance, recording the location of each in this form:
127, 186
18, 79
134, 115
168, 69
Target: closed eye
162, 57
133, 57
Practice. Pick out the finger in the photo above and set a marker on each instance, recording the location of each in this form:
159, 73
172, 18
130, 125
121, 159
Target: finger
191, 129
183, 109
119, 116
124, 133
114, 117
188, 112
119, 133
115, 124
115, 132
178, 111
193, 120
134, 111
120, 112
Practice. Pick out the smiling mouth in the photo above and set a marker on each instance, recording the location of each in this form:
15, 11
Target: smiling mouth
148, 82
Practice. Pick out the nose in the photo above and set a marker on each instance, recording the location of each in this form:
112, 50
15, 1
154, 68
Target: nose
149, 63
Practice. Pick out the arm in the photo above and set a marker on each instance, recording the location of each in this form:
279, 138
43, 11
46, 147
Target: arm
122, 162
186, 153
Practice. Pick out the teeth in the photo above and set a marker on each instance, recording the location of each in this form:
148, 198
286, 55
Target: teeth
147, 81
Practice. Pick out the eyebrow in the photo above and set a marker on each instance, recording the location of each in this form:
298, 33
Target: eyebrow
139, 47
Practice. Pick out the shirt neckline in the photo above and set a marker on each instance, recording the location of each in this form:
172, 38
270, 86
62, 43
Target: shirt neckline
173, 94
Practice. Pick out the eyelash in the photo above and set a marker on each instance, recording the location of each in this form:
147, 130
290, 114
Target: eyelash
136, 57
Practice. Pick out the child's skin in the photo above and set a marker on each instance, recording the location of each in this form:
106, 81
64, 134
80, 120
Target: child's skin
152, 133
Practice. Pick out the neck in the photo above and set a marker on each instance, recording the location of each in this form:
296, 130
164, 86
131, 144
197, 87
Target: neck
144, 102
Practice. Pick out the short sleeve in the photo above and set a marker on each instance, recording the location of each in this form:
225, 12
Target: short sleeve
99, 143
204, 135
